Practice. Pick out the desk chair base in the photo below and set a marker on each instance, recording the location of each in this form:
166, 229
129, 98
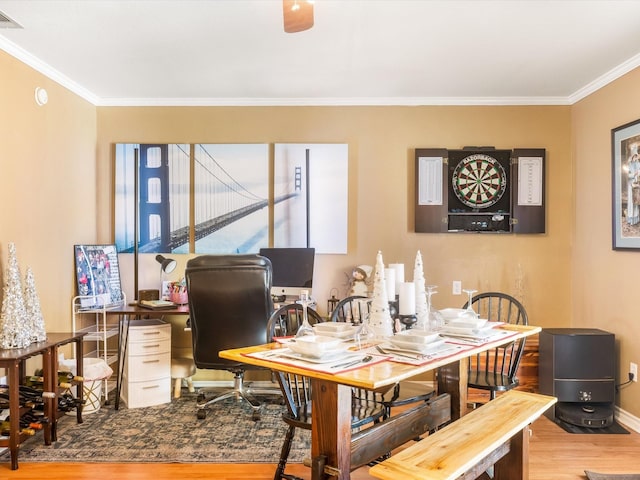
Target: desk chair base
239, 391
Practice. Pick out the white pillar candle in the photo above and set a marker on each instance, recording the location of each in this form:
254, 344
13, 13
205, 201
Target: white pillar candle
390, 282
399, 268
407, 300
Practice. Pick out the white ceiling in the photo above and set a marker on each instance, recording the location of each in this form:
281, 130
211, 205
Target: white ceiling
359, 52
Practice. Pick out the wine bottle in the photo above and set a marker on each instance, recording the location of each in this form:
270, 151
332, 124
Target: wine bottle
5, 429
35, 381
68, 377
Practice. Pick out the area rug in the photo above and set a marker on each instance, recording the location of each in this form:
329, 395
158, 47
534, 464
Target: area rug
170, 433
613, 429
611, 476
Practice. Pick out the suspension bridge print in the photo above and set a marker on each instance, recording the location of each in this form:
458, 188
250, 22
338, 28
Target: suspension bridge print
229, 196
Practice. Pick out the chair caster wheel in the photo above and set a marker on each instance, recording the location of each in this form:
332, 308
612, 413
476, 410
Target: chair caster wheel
255, 416
202, 414
200, 398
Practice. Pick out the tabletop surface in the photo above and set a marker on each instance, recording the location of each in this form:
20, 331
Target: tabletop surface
53, 339
379, 375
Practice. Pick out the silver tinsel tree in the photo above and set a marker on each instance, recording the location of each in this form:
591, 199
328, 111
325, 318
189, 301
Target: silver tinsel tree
14, 331
422, 313
35, 320
380, 318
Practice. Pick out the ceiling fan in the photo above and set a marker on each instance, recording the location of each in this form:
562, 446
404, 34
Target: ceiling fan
297, 14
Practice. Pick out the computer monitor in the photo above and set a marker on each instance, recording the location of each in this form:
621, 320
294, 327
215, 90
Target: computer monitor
292, 270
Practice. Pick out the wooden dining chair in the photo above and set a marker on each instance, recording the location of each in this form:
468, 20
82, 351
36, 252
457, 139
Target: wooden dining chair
352, 309
296, 389
496, 370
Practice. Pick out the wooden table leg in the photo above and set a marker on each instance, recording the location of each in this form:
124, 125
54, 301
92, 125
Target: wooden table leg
453, 379
80, 372
50, 402
14, 412
515, 464
331, 427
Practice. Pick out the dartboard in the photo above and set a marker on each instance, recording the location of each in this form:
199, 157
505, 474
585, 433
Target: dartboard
479, 181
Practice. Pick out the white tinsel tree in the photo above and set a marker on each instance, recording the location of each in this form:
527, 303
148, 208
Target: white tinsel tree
13, 319
422, 313
380, 316
35, 320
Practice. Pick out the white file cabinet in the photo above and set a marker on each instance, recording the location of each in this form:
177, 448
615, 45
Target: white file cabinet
147, 368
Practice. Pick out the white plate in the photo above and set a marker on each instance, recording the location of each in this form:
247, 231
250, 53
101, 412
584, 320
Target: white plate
415, 347
347, 331
418, 336
317, 345
450, 313
462, 322
332, 326
326, 358
466, 331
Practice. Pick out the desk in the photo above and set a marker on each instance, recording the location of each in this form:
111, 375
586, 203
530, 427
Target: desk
331, 432
125, 314
13, 361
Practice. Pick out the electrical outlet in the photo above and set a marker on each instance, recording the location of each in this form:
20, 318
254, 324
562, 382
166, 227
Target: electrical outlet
633, 369
457, 287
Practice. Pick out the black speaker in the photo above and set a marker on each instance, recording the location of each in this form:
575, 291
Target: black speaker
578, 365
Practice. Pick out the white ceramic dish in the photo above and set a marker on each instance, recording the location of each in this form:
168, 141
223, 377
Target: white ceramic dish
467, 322
317, 345
451, 313
465, 331
418, 336
398, 342
332, 326
326, 358
336, 329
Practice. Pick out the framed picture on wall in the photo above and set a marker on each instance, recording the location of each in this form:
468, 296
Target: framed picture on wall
625, 143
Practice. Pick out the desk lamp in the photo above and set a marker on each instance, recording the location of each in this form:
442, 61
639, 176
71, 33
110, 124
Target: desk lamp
167, 265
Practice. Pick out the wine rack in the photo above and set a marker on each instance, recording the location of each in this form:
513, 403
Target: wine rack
27, 409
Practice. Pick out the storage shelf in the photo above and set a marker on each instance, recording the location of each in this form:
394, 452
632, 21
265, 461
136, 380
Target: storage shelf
93, 322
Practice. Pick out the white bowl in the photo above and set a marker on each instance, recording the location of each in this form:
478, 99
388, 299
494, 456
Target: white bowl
316, 345
451, 313
417, 336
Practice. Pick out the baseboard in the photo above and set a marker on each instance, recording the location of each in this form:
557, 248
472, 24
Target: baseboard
627, 419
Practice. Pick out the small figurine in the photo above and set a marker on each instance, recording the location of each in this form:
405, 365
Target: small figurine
360, 280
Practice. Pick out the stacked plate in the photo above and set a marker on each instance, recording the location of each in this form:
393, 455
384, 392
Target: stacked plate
416, 341
336, 329
318, 346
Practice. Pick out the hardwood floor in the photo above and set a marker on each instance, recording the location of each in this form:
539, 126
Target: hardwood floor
554, 455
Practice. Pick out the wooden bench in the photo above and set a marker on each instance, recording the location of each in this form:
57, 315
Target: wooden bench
495, 434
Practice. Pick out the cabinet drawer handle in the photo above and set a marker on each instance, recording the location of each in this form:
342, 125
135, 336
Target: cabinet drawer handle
151, 361
151, 346
157, 332
150, 387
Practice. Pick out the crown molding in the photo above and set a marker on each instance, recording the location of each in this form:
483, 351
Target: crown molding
44, 68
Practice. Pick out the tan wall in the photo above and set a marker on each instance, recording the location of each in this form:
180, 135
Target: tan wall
605, 281
47, 183
57, 183
381, 143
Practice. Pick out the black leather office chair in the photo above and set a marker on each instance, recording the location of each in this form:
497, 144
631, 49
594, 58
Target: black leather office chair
296, 389
229, 304
496, 370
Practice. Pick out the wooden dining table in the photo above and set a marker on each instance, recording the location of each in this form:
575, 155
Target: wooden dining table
331, 423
